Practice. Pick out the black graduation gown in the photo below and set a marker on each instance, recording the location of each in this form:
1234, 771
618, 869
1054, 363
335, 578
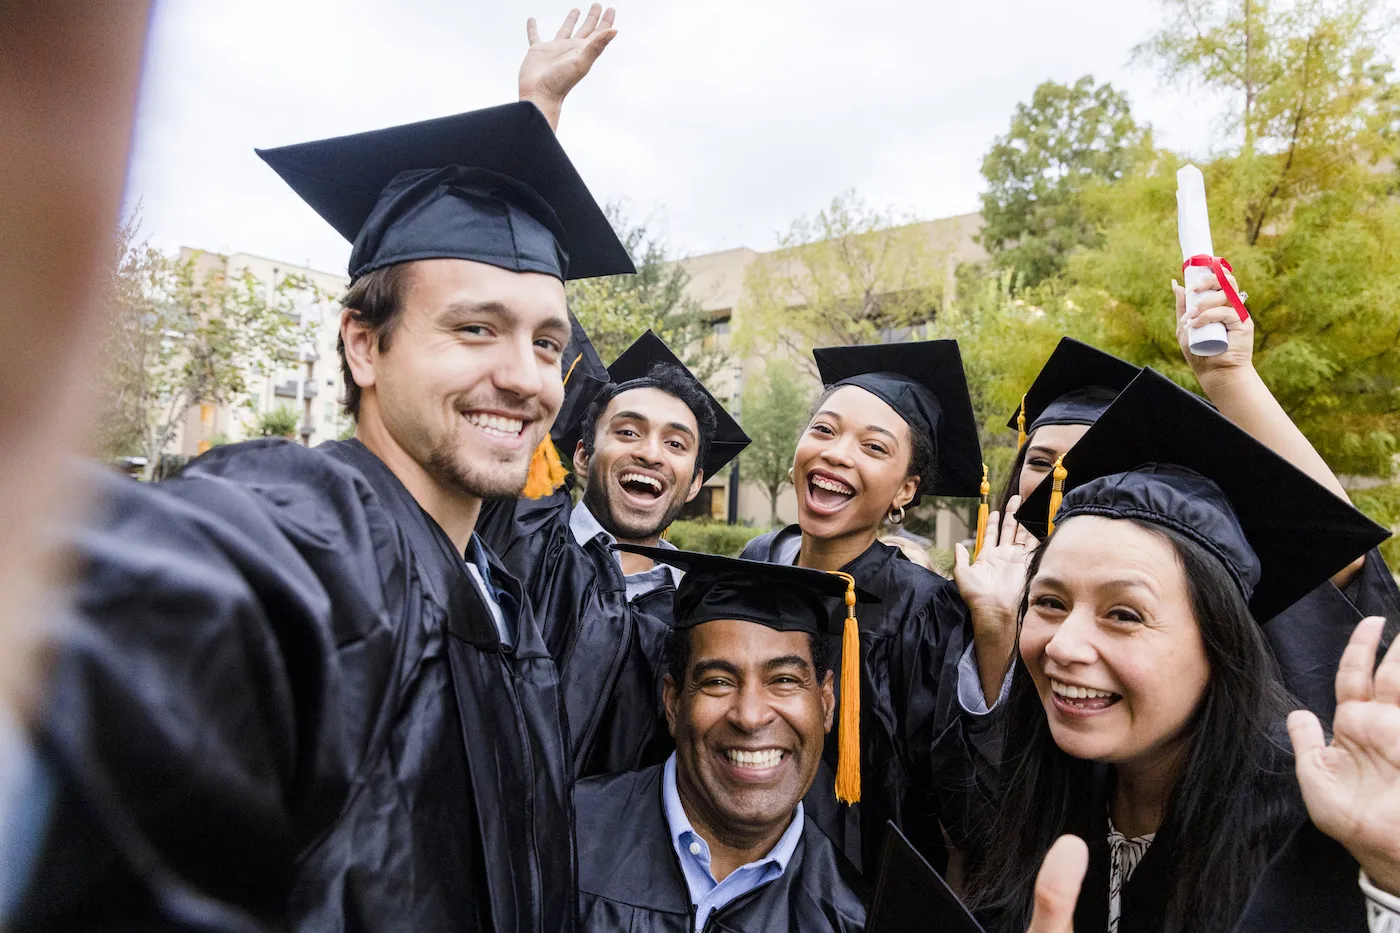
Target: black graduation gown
284, 699
910, 646
630, 878
1308, 637
609, 651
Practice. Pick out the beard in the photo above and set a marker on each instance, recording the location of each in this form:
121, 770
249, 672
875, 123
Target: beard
481, 476
597, 495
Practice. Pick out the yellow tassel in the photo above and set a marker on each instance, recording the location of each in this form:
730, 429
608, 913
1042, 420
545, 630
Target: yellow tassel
982, 509
547, 471
848, 739
1021, 425
1057, 491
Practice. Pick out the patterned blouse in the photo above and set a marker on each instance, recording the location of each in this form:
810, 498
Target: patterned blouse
1124, 855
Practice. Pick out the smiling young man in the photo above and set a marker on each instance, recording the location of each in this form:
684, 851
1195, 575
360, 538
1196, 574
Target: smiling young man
717, 838
298, 692
644, 444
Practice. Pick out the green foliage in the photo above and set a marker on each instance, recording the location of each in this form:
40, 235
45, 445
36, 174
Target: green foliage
616, 310
346, 432
282, 421
1383, 504
849, 275
183, 333
711, 537
775, 406
1068, 138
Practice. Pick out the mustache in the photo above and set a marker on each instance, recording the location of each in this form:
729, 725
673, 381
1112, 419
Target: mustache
511, 407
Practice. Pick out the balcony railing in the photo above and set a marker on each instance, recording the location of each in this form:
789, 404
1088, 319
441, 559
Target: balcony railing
288, 389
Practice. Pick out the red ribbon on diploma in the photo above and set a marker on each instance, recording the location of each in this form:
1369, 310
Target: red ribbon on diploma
1219, 267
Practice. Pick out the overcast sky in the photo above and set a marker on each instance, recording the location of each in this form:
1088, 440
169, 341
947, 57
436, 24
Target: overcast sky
721, 122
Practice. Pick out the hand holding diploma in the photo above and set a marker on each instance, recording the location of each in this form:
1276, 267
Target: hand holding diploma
1193, 233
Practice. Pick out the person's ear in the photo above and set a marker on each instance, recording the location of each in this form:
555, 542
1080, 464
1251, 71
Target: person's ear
695, 484
580, 460
828, 700
906, 493
361, 343
670, 699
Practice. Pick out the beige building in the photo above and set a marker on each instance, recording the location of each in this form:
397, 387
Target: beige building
308, 385
718, 282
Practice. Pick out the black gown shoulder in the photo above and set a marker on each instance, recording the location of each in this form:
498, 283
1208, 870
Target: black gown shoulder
255, 716
630, 877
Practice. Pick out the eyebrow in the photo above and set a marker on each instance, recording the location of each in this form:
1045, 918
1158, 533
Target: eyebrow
714, 664
869, 427
1042, 449
463, 309
638, 416
1141, 583
788, 660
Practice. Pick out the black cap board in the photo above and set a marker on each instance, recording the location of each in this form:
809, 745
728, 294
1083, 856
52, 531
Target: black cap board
631, 371
1075, 386
924, 382
910, 897
584, 375
1160, 454
780, 596
492, 186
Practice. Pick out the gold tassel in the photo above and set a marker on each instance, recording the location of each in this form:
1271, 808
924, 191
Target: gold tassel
982, 509
547, 471
848, 739
1057, 491
1021, 425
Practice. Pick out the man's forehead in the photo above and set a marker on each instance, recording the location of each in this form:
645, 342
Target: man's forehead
744, 643
439, 284
653, 404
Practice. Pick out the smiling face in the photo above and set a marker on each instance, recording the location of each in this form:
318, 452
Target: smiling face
749, 722
1045, 445
851, 465
469, 381
1112, 643
643, 469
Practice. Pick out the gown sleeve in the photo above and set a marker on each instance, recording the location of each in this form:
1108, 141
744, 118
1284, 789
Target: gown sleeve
196, 708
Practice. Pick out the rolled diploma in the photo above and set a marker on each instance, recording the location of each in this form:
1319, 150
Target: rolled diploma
1193, 230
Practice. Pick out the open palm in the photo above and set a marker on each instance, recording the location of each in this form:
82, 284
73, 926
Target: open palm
991, 584
1352, 786
552, 68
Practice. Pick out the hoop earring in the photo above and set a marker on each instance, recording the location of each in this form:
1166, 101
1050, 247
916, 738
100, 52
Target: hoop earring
790, 479
896, 516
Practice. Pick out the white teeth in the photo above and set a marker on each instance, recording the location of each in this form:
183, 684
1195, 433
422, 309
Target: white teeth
822, 482
651, 481
497, 425
1073, 692
764, 759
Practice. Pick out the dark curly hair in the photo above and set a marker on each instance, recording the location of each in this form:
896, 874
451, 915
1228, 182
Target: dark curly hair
673, 380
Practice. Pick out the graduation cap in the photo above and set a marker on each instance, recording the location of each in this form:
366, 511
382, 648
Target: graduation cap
1075, 386
785, 598
924, 382
911, 897
1160, 454
492, 186
632, 370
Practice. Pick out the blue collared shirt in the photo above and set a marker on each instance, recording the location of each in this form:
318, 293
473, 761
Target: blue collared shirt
586, 527
707, 894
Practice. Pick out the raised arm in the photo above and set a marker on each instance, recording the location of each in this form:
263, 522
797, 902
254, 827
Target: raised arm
1234, 385
552, 68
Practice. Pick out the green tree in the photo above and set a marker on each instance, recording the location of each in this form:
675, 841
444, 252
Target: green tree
848, 275
282, 421
181, 335
1069, 137
775, 407
616, 310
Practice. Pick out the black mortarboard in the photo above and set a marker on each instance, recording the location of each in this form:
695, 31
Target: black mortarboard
1160, 454
910, 897
584, 375
780, 596
924, 382
1075, 386
786, 598
632, 370
492, 186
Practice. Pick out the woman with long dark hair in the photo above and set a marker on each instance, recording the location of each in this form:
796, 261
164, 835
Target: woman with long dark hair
1146, 715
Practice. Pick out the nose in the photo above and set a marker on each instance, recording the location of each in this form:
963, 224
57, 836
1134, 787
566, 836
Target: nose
838, 452
649, 451
517, 370
751, 711
1073, 641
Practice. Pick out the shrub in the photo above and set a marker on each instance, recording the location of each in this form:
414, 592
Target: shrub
711, 537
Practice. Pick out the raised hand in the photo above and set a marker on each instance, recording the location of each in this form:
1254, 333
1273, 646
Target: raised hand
991, 587
551, 69
1352, 786
1057, 886
1214, 308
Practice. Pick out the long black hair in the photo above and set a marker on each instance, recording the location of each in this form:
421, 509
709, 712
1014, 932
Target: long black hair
1229, 806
